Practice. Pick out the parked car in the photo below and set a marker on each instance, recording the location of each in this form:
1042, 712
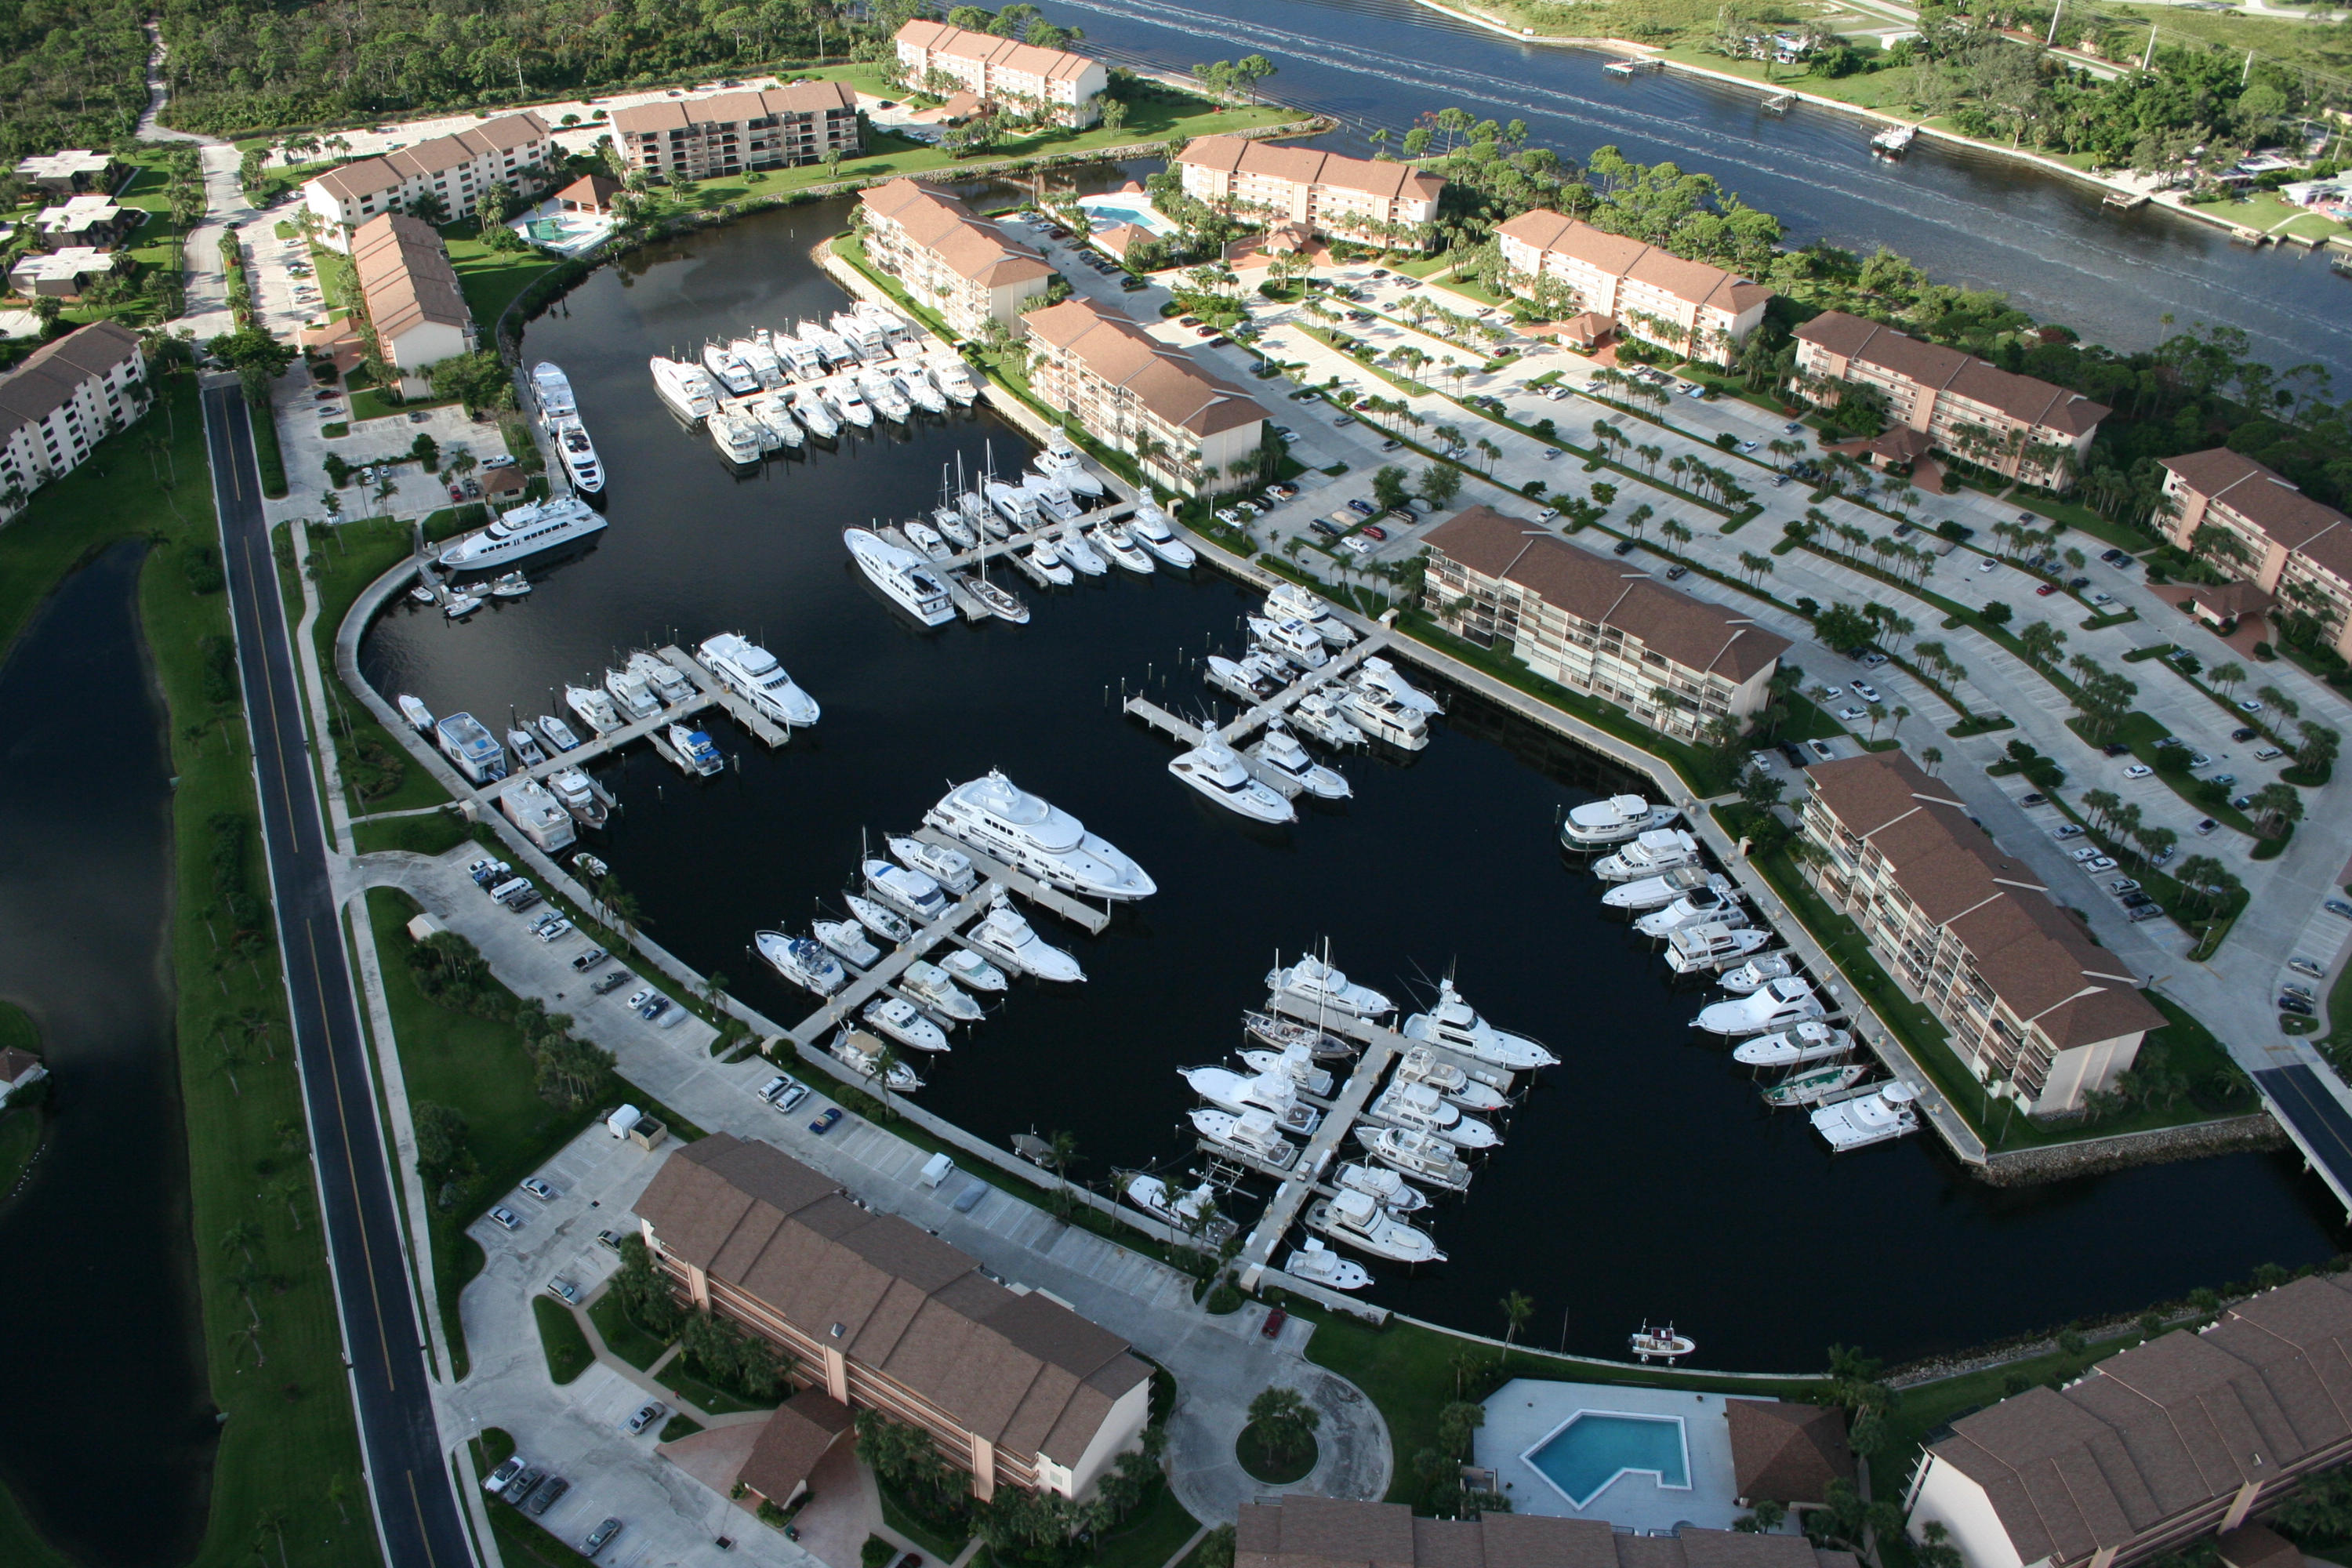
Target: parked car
2305, 991
2134, 900
2071, 830
1625, 547
2338, 907
564, 1291
653, 1009
2085, 854
2138, 771
611, 983
2114, 749
1987, 564
499, 460
2144, 912
2296, 1006
2204, 829
824, 1124
2307, 966
1362, 508
2244, 732
2251, 705
506, 1218
497, 1480
651, 1411
537, 1187
1851, 715
2114, 557
589, 960
2044, 590
1866, 690
601, 1537
1676, 572
792, 1096
2034, 798
1272, 1326
609, 1240
2100, 863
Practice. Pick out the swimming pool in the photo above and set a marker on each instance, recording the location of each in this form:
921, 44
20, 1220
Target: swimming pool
1107, 211
1585, 1455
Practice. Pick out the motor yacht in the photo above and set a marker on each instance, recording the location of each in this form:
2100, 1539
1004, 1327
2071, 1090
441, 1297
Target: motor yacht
879, 918
1755, 972
904, 577
530, 807
552, 390
1289, 1034
1001, 603
509, 585
1113, 540
1151, 528
633, 693
1382, 1185
1657, 851
760, 358
1656, 892
661, 678
829, 347
752, 673
1061, 463
1321, 715
1420, 1065
1775, 1005
685, 389
801, 359
954, 380
1371, 711
1242, 1092
1194, 1212
916, 387
1712, 945
578, 793
935, 992
1006, 937
557, 734
1280, 751
1353, 1219
728, 370
849, 402
418, 715
882, 393
860, 332
1071, 541
736, 435
911, 893
460, 605
1294, 1063
803, 961
1455, 1025
776, 348
1053, 503
1419, 1106
999, 819
524, 531
1295, 601
1812, 1041
1247, 684
1216, 771
592, 707
847, 941
1319, 1264
772, 412
465, 741
861, 1053
1316, 984
578, 455
695, 752
525, 746
950, 869
1600, 823
1014, 504
1044, 561
1292, 638
927, 540
902, 1021
1253, 1136
1814, 1085
972, 971
811, 411
1377, 674
1872, 1118
1423, 1156
953, 526
1701, 906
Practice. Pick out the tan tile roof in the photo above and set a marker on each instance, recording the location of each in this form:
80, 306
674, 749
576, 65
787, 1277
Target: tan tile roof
967, 244
2025, 399
1787, 1451
591, 191
370, 176
1698, 283
734, 108
1692, 632
795, 1437
1305, 167
1024, 1372
47, 378
1297, 1531
2269, 501
405, 277
2032, 953
1169, 383
1004, 54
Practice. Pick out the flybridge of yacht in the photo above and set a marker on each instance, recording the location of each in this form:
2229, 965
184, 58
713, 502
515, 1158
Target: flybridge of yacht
997, 818
525, 531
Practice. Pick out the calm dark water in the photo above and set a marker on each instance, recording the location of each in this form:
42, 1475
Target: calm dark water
105, 1381
1642, 1177
1968, 218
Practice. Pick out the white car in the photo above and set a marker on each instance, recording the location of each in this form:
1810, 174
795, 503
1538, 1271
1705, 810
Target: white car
1851, 715
638, 998
2086, 854
1866, 690
1987, 564
2099, 863
2138, 771
2071, 830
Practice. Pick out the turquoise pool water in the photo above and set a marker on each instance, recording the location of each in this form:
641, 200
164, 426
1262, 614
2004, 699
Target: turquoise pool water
1584, 1457
1115, 209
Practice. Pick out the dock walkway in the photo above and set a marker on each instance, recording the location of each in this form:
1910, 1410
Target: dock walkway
1259, 715
1303, 1181
842, 1004
710, 692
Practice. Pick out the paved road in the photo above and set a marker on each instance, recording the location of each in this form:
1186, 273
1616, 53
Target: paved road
415, 1515
2316, 1119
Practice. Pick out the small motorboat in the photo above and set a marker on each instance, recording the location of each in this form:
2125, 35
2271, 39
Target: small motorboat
935, 990
848, 942
696, 753
460, 606
1045, 561
1280, 750
416, 713
879, 918
1194, 1213
525, 747
803, 962
1661, 1344
558, 733
421, 595
1319, 1264
904, 1022
972, 971
1814, 1085
513, 585
950, 869
1756, 972
929, 540
861, 1053
1811, 1041
589, 868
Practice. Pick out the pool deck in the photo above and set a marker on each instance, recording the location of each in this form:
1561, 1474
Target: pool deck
1525, 1411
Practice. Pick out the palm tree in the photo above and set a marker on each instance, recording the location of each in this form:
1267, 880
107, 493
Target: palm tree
240, 1238
1931, 758
1285, 1421
1901, 713
2227, 676
1517, 1308
289, 1190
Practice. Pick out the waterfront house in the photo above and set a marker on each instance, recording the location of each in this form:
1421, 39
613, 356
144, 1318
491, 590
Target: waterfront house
1002, 72
1696, 309
58, 403
1014, 1387
71, 172
1326, 194
1787, 1452
1187, 429
18, 1070
950, 259
2036, 1010
2017, 426
91, 222
2193, 1435
1592, 623
1297, 1531
413, 297
455, 170
695, 138
2279, 541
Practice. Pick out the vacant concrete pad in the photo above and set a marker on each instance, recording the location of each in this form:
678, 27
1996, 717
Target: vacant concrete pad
714, 1457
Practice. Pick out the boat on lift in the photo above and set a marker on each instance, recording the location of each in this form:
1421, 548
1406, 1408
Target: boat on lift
525, 746
419, 716
577, 794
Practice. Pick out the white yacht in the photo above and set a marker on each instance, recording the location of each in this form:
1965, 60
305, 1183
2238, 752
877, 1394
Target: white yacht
1712, 945
927, 539
849, 402
1382, 1185
904, 1022
935, 990
847, 941
1150, 525
1656, 892
760, 358
634, 692
1071, 541
1010, 939
736, 436
811, 411
778, 428
509, 585
460, 606
880, 918
1253, 1136
1811, 1041
1775, 1005
466, 741
526, 747
530, 808
1455, 1024
1352, 1219
551, 389
578, 794
1814, 1085
668, 683
1113, 541
911, 893
972, 971
1873, 1119
1419, 1108
752, 673
1371, 711
829, 347
1293, 1062
685, 389
903, 575
1292, 638
803, 962
997, 818
1241, 680
1294, 602
1382, 677
416, 713
1289, 1034
950, 519
1599, 823
1700, 906
1194, 1213
1420, 1065
1053, 500
916, 387
524, 531
1045, 561
1244, 1092
1423, 1156
558, 733
861, 1053
1321, 715
954, 380
578, 455
1317, 984
863, 335
1014, 504
1060, 462
594, 708
800, 357
882, 392
1657, 850
1217, 773
950, 869
728, 370
1755, 972
1319, 1264
696, 753
1280, 750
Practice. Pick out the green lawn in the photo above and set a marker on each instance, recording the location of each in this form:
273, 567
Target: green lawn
899, 1517
1150, 1537
706, 1396
1886, 91
350, 556
561, 1339
622, 1336
491, 278
434, 835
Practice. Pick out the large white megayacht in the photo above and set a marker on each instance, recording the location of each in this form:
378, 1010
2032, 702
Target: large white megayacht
1600, 823
1031, 835
1455, 1024
687, 390
908, 579
1652, 851
1316, 984
754, 675
525, 531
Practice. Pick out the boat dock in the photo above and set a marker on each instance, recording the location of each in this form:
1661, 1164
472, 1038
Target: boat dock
841, 1006
1077, 911
2125, 201
710, 692
1628, 70
1259, 715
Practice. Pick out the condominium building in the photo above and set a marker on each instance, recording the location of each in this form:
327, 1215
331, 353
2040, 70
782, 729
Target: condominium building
89, 222
1699, 311
1012, 1386
1359, 199
2014, 424
2276, 538
70, 172
1136, 395
454, 170
62, 274
414, 300
2035, 1008
1594, 624
948, 258
2193, 1434
1005, 72
725, 134
61, 401
1297, 1531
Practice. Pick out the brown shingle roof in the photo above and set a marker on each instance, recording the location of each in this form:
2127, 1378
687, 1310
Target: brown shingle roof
46, 381
1692, 632
1020, 1369
795, 1437
968, 244
1697, 283
371, 176
2269, 501
1305, 167
404, 274
1170, 384
1298, 1531
2026, 398
16, 1065
1786, 1451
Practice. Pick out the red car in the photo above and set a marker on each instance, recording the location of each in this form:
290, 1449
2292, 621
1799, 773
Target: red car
2044, 590
1373, 531
1274, 1322
456, 493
